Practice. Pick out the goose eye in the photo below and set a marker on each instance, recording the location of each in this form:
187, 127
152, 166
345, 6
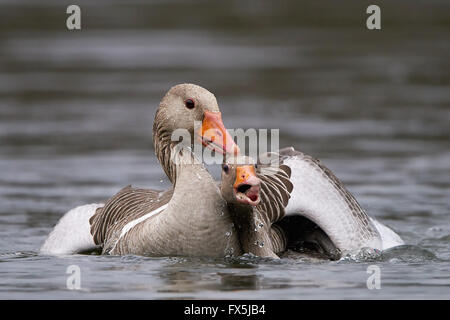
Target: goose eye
226, 168
190, 104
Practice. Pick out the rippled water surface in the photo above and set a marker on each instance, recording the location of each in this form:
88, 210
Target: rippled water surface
76, 112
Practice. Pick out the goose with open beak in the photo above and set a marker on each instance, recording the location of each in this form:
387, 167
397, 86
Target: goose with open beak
252, 197
304, 209
295, 206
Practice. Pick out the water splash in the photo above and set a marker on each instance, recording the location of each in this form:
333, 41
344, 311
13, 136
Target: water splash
362, 255
403, 253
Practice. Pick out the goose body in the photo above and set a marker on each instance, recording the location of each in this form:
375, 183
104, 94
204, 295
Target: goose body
191, 219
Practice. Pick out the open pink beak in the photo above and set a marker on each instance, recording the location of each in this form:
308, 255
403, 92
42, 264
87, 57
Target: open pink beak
247, 185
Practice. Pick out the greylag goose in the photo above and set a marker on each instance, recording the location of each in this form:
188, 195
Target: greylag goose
299, 205
316, 214
85, 228
254, 200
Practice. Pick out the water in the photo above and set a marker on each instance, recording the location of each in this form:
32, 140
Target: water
77, 110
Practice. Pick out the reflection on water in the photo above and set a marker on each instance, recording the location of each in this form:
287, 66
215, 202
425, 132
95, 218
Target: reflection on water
77, 111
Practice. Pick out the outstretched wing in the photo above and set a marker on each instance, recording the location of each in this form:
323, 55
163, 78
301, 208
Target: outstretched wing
342, 219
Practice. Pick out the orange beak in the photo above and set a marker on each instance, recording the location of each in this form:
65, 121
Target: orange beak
214, 135
247, 185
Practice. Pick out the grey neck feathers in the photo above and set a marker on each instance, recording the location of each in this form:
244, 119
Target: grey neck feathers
163, 146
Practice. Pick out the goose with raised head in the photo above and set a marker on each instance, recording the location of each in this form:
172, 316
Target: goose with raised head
87, 227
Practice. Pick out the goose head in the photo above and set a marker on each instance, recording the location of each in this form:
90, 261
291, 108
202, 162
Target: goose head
240, 185
184, 106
